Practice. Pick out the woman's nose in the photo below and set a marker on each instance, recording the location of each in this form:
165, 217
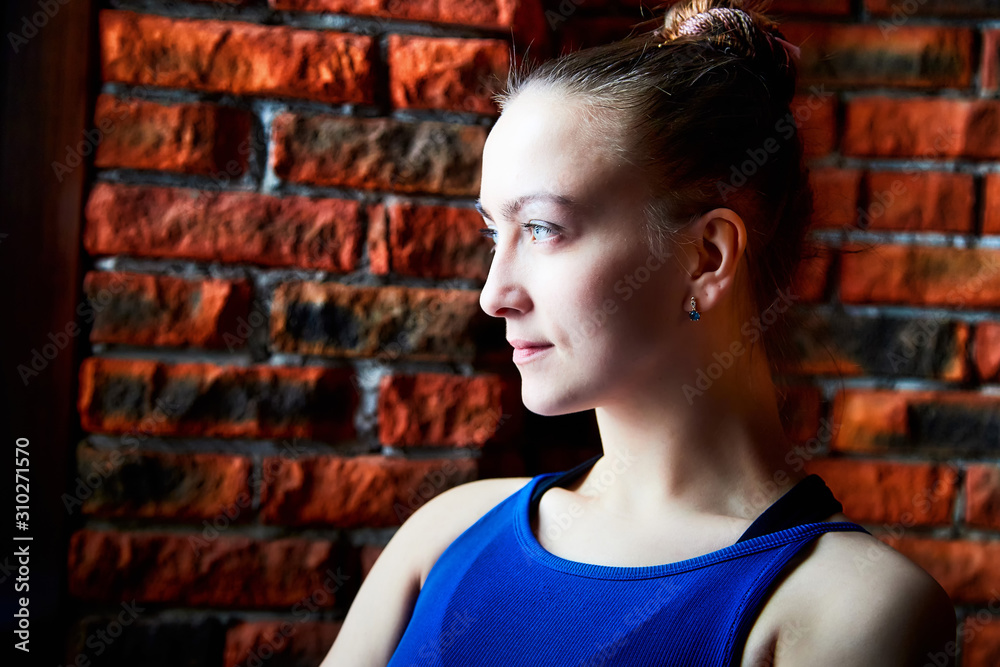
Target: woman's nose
504, 289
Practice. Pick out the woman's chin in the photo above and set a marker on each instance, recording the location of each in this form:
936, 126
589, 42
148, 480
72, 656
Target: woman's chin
550, 405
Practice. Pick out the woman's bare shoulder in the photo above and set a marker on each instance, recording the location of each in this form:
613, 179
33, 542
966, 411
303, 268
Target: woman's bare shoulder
853, 596
448, 514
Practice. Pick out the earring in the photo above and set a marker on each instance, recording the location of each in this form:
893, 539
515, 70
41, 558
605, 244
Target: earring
693, 313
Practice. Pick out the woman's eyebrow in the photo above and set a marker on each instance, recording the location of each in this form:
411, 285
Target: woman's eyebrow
511, 208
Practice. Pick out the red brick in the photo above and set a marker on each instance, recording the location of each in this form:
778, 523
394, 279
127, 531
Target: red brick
164, 485
369, 490
812, 276
887, 492
236, 57
446, 73
981, 637
991, 207
208, 226
922, 127
137, 309
986, 351
982, 504
384, 322
989, 67
378, 241
816, 117
522, 17
194, 399
924, 201
861, 55
880, 420
437, 242
287, 642
186, 138
965, 568
439, 409
826, 7
900, 11
953, 277
379, 154
199, 569
835, 197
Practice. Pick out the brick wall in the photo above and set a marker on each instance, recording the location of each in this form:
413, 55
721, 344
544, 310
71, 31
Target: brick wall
288, 355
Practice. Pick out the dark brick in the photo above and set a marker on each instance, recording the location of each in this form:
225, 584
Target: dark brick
883, 420
840, 344
129, 396
141, 309
379, 154
387, 322
186, 138
163, 485
862, 55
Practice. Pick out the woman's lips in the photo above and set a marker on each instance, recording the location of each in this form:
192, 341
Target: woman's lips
525, 354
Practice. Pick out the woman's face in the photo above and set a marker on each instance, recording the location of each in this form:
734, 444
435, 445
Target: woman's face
571, 268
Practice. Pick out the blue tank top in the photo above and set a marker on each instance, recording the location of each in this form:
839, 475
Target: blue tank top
496, 597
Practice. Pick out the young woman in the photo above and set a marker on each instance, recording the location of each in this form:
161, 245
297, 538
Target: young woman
648, 204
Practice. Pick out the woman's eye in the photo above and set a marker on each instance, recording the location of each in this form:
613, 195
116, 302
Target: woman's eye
532, 227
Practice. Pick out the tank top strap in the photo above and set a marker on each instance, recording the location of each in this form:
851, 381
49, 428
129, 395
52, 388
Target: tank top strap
809, 501
558, 479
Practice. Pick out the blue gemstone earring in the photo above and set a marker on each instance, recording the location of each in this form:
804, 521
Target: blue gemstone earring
693, 313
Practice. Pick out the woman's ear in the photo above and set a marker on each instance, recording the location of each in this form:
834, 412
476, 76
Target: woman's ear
720, 238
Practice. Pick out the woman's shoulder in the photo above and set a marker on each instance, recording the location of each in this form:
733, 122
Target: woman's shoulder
859, 601
447, 515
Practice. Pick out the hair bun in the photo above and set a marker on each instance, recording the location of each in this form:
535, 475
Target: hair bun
737, 30
732, 21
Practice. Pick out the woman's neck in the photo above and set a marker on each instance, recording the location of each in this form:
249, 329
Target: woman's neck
724, 454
